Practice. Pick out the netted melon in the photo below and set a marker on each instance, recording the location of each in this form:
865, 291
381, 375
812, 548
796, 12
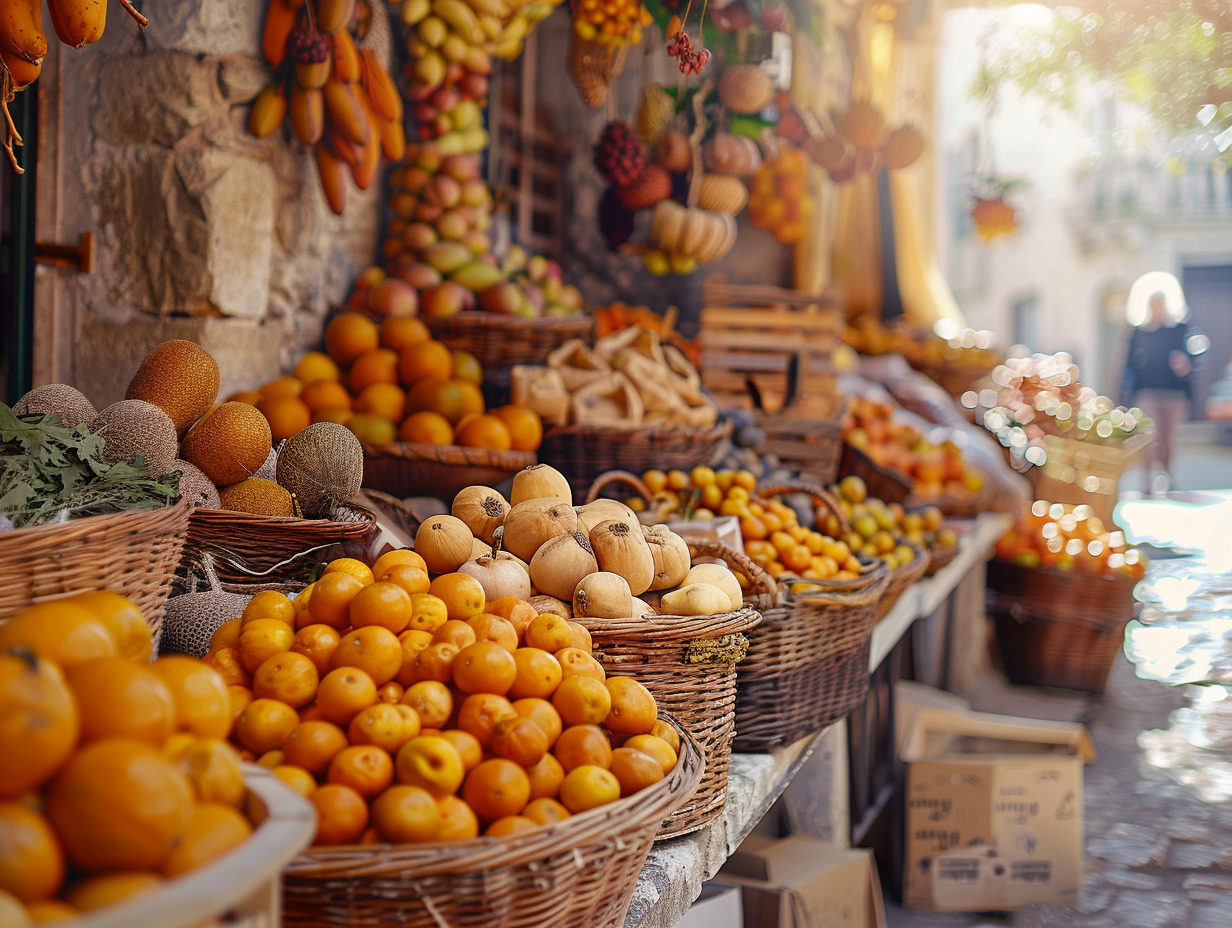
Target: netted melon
229, 444
322, 465
258, 496
195, 486
192, 618
180, 378
67, 403
135, 428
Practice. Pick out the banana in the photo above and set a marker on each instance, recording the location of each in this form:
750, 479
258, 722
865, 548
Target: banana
332, 173
346, 57
78, 22
342, 106
333, 15
343, 148
491, 25
22, 72
386, 102
267, 111
21, 30
307, 115
498, 8
393, 139
461, 18
412, 12
370, 158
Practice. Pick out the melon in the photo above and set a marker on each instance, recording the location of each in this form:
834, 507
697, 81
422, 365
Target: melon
745, 88
229, 444
192, 618
195, 487
180, 378
135, 428
69, 404
269, 470
322, 465
258, 496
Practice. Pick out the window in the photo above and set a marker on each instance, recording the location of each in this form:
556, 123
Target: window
1025, 318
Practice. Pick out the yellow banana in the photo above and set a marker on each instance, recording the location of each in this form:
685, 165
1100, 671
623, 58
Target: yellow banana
412, 11
461, 18
491, 7
491, 25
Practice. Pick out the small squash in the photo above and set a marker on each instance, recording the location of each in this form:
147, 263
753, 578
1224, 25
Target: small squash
482, 509
602, 595
641, 608
605, 510
670, 554
622, 549
559, 565
722, 193
718, 575
542, 603
444, 542
498, 577
533, 523
540, 481
695, 599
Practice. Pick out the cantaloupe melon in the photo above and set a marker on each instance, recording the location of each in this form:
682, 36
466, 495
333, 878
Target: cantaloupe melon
67, 403
135, 428
180, 378
261, 497
321, 465
229, 444
192, 618
195, 486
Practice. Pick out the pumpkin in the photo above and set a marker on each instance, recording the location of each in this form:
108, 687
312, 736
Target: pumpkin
670, 554
444, 542
696, 233
539, 481
622, 549
731, 154
602, 595
559, 565
674, 152
652, 185
746, 88
532, 524
695, 599
498, 577
722, 193
482, 509
720, 576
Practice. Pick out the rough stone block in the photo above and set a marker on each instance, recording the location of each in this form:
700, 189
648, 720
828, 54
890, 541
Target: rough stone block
155, 100
216, 27
1134, 909
1130, 845
241, 77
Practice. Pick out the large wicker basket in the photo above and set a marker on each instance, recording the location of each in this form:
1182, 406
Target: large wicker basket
577, 874
882, 482
902, 577
689, 664
500, 342
403, 469
133, 553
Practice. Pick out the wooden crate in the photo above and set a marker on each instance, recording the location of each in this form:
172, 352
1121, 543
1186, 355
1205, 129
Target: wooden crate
770, 345
1085, 472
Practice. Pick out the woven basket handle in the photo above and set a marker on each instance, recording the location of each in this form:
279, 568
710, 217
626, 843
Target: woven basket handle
819, 497
616, 477
760, 582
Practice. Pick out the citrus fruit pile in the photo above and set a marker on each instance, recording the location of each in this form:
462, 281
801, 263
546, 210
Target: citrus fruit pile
1069, 538
116, 774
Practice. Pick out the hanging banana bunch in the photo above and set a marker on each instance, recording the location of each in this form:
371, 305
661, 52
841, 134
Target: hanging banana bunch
23, 45
339, 98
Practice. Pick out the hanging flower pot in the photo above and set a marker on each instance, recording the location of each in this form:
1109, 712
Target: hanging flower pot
993, 218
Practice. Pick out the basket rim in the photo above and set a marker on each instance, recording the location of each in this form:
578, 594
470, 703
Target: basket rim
646, 808
483, 320
96, 522
223, 516
721, 429
667, 627
439, 454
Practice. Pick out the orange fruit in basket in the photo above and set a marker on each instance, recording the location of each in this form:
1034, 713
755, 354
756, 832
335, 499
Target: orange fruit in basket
202, 703
269, 604
342, 814
271, 759
123, 620
262, 639
431, 763
462, 594
484, 667
458, 822
580, 745
582, 701
372, 429
664, 730
289, 677
634, 711
483, 431
400, 332
349, 565
380, 365
467, 746
538, 674
227, 635
331, 599
455, 632
412, 641
382, 604
391, 693
286, 416
39, 723
343, 693
383, 726
213, 768
519, 740
445, 397
496, 788
588, 787
509, 825
472, 398
226, 663
119, 805
281, 388
549, 633
466, 367
479, 714
98, 892
545, 777
518, 611
543, 714
297, 778
435, 662
545, 810
249, 397
320, 395
423, 360
426, 428
265, 725
656, 748
574, 662
581, 638
525, 426
428, 612
411, 580
348, 335
634, 771
62, 632
494, 628
431, 700
240, 696
387, 400
374, 650
365, 768
50, 910
312, 745
119, 699
213, 830
31, 860
397, 557
317, 643
407, 815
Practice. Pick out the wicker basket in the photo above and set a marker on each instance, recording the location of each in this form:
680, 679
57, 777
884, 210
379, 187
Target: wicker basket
577, 874
689, 664
582, 453
1064, 595
811, 446
500, 342
882, 482
594, 66
939, 558
902, 577
133, 553
403, 469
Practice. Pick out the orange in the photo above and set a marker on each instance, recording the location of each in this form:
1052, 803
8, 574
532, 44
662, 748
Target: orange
472, 400
496, 788
227, 635
261, 639
317, 643
466, 367
50, 910
202, 703
265, 725
311, 713
325, 394
656, 747
213, 767
581, 637
297, 778
548, 632
343, 692
479, 714
538, 674
381, 604
509, 825
250, 397
431, 763
493, 628
290, 678
519, 740
407, 815
575, 662
517, 611
426, 428
458, 822
123, 620
634, 770
286, 416
484, 431
342, 814
545, 810
353, 566
634, 711
462, 594
282, 388
435, 662
213, 830
524, 425
664, 730
337, 414
484, 667
582, 745
31, 860
432, 394
316, 365
380, 365
400, 332
119, 699
107, 889
364, 767
62, 632
371, 429
240, 696
119, 805
271, 759
373, 649
391, 693
543, 714
269, 604
383, 726
422, 360
467, 746
386, 400
394, 558
455, 632
312, 745
412, 580
412, 642
432, 701
349, 335
588, 787
545, 777
302, 615
428, 612
582, 701
226, 663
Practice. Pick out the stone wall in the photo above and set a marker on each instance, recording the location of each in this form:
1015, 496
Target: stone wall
203, 232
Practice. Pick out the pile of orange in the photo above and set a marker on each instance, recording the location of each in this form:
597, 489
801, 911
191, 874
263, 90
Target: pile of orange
410, 709
116, 775
392, 381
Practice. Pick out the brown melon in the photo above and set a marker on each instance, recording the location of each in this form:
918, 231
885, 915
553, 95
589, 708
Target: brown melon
180, 378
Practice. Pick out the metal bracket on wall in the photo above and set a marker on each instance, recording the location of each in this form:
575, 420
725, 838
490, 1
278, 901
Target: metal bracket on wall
76, 257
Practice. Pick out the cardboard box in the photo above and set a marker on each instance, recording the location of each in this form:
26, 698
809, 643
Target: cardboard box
800, 882
993, 814
719, 906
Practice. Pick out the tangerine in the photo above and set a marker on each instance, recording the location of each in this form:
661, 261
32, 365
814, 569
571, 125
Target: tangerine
344, 693
414, 581
322, 394
517, 611
574, 662
365, 768
226, 663
119, 699
312, 745
484, 667
656, 747
391, 693
582, 701
123, 620
286, 416
467, 746
398, 556
227, 635
431, 763
538, 674
580, 635
382, 604
479, 714
107, 889
317, 643
426, 428
261, 639
664, 730
380, 365
634, 770
431, 700
545, 777
548, 632
524, 425
39, 721
342, 814
543, 714
373, 649
348, 335
519, 740
353, 566
428, 612
496, 788
472, 402
281, 387
407, 815
31, 859
544, 810
290, 678
588, 787
240, 696
316, 366
494, 628
264, 725
412, 643
383, 726
213, 829
202, 703
422, 360
435, 662
466, 367
458, 822
483, 431
213, 768
509, 825
400, 332
455, 632
62, 632
634, 711
583, 745
462, 594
